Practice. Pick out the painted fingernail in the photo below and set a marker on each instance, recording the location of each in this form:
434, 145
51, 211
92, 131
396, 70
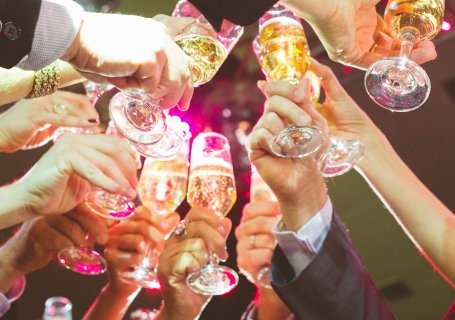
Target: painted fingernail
93, 120
221, 229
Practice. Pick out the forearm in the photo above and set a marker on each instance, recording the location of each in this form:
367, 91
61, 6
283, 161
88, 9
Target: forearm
110, 304
16, 83
12, 207
270, 306
425, 219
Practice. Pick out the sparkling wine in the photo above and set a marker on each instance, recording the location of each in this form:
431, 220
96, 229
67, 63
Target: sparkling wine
425, 16
162, 185
206, 56
284, 51
211, 185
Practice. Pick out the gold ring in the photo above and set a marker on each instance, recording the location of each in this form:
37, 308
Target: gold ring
60, 108
373, 47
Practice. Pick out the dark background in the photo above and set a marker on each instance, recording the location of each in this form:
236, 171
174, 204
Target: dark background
424, 138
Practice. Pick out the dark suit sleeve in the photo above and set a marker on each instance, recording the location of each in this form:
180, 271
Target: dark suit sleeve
18, 19
241, 12
335, 285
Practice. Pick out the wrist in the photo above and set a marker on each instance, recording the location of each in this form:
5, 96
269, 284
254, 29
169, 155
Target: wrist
9, 274
312, 198
13, 207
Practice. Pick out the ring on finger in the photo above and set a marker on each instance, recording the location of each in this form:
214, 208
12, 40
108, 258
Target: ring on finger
59, 108
253, 241
180, 230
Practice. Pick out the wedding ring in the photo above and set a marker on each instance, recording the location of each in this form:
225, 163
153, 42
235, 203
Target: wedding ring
180, 230
60, 108
253, 241
373, 47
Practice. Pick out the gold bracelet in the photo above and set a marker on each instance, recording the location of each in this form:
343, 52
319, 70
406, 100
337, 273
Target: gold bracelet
45, 81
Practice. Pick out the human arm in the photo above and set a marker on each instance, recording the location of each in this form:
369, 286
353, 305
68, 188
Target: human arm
205, 233
349, 30
63, 175
400, 187
100, 44
125, 249
304, 195
16, 83
39, 240
255, 245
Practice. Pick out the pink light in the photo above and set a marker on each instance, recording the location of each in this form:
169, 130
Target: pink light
446, 26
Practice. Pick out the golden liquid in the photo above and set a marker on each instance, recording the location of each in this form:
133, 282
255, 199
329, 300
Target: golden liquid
162, 185
206, 56
284, 52
425, 16
212, 186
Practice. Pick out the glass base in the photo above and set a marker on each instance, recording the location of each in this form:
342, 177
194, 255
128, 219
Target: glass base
168, 146
297, 142
212, 280
263, 278
143, 277
137, 117
341, 157
108, 205
397, 84
82, 260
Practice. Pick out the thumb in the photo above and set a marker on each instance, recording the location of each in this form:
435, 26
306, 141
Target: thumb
175, 25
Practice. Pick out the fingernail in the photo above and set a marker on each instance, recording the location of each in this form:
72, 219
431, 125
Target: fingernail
303, 120
124, 255
93, 120
299, 95
221, 229
131, 193
164, 225
101, 238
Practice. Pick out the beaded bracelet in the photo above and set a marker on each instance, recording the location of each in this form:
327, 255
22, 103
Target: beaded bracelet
45, 81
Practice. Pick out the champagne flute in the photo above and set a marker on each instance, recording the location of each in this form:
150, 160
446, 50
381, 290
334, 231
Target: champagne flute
398, 83
260, 191
282, 50
342, 154
162, 188
212, 186
140, 118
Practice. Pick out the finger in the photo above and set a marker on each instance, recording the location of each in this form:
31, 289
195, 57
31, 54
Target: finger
175, 25
185, 99
286, 109
147, 231
260, 208
423, 52
272, 122
122, 259
90, 223
329, 82
133, 243
258, 225
78, 105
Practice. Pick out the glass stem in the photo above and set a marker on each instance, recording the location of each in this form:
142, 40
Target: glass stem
408, 38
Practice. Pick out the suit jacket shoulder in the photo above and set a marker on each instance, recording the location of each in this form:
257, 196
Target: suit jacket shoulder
18, 21
335, 285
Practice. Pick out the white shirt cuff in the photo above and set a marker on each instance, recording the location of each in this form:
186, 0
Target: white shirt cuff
300, 247
58, 24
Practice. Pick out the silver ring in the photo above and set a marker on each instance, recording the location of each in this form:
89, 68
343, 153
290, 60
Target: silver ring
253, 241
180, 230
60, 108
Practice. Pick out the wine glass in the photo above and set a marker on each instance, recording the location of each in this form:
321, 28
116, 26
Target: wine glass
162, 188
282, 51
211, 185
140, 118
398, 83
342, 154
260, 191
